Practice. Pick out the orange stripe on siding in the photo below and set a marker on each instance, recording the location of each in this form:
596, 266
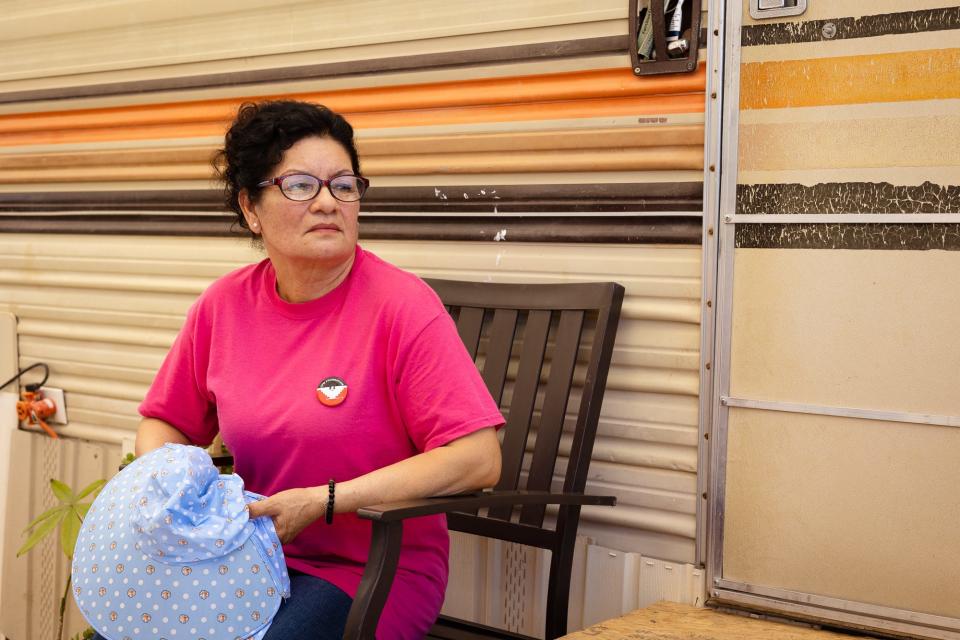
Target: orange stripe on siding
642, 105
210, 117
889, 77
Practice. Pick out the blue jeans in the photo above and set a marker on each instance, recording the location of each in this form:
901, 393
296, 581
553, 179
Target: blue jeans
315, 610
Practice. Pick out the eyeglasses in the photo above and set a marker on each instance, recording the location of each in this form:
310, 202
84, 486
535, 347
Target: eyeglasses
303, 186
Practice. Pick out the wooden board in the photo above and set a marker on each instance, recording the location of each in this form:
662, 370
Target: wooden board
672, 621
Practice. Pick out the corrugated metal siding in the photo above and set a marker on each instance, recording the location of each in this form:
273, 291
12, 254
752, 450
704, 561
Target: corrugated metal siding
63, 43
463, 110
102, 311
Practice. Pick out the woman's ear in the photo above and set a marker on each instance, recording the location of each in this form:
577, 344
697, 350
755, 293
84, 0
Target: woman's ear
249, 211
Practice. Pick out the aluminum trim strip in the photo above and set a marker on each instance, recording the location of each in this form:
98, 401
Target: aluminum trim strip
843, 412
713, 147
720, 353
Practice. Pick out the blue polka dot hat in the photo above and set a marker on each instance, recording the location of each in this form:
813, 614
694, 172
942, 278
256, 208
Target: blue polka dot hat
168, 551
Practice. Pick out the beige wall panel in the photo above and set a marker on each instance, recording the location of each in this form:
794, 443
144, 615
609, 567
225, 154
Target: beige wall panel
855, 8
854, 509
864, 329
102, 310
181, 34
876, 142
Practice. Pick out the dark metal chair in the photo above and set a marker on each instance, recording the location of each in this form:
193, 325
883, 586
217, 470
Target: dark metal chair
538, 333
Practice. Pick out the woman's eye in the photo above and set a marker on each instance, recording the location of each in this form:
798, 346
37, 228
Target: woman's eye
344, 186
297, 185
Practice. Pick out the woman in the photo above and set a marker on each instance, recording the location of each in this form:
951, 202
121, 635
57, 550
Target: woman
324, 362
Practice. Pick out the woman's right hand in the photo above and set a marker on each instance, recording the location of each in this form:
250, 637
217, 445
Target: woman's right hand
292, 510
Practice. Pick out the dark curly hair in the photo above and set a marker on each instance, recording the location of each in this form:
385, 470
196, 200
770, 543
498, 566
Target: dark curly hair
260, 135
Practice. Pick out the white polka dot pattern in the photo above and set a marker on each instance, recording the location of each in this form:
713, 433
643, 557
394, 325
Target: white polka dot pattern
167, 550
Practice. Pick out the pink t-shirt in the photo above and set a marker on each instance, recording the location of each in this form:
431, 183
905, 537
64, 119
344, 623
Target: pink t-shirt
247, 364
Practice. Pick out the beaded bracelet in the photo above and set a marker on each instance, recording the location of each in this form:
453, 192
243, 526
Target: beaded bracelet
328, 516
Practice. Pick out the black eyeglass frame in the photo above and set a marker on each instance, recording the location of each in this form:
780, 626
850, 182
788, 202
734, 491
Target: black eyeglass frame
321, 183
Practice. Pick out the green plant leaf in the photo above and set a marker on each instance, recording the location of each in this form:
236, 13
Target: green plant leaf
82, 509
63, 492
69, 530
49, 513
42, 530
90, 488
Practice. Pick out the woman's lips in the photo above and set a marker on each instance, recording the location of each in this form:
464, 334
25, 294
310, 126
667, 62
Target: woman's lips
323, 227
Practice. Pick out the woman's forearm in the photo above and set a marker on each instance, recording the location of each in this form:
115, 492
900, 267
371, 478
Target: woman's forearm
153, 434
466, 464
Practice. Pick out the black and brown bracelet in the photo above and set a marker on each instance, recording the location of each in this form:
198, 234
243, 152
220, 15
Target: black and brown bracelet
328, 516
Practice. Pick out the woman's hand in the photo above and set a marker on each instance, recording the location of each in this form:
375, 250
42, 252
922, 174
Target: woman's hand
292, 510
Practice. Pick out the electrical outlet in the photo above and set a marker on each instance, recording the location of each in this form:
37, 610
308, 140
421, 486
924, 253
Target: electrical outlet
57, 395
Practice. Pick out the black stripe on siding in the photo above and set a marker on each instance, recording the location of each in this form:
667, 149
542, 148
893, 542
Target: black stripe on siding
847, 197
457, 199
863, 27
420, 62
900, 237
685, 230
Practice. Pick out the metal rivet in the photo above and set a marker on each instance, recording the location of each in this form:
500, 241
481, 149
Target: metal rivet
710, 231
829, 30
716, 32
636, 69
713, 95
689, 66
713, 167
728, 218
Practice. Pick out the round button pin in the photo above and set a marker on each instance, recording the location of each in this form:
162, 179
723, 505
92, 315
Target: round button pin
332, 391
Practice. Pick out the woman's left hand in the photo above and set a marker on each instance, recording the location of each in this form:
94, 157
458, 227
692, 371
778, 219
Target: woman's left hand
292, 511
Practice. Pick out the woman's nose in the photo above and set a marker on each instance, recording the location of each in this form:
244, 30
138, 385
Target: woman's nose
323, 201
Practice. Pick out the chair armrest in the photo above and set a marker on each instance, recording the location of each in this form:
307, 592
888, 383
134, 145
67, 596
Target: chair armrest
471, 502
387, 533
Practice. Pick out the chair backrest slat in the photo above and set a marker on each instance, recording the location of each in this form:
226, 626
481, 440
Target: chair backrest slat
588, 413
503, 328
522, 402
469, 324
554, 410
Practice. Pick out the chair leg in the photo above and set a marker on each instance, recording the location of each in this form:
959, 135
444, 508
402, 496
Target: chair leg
561, 569
377, 579
558, 595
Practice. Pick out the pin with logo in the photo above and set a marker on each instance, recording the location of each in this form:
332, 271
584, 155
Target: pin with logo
332, 391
